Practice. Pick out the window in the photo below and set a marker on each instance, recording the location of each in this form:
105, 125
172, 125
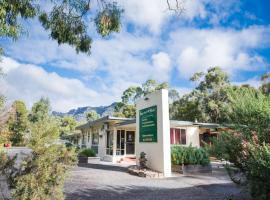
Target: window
109, 146
95, 138
83, 138
178, 136
120, 142
88, 136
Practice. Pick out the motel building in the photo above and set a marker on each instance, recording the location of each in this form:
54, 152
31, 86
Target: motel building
119, 139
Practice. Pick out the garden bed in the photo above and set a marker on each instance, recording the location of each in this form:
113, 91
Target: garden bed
84, 159
145, 173
192, 169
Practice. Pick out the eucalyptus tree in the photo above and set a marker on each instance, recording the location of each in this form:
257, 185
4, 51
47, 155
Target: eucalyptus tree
66, 21
92, 115
18, 123
126, 108
208, 102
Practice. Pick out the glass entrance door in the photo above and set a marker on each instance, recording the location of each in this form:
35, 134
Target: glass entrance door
130, 142
120, 148
125, 142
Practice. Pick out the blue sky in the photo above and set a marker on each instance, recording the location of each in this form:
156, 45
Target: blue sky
153, 43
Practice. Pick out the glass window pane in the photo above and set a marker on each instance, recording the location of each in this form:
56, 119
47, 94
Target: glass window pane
183, 136
177, 136
172, 135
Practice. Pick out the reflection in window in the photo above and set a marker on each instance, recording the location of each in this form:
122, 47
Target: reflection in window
178, 136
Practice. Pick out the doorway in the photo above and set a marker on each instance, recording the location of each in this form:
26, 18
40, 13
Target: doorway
125, 143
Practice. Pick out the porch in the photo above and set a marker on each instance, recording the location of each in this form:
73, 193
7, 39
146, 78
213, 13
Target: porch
120, 145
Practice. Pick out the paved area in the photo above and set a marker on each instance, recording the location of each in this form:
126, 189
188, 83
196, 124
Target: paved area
105, 182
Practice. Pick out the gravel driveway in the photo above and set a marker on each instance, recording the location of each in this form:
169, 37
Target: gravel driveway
106, 182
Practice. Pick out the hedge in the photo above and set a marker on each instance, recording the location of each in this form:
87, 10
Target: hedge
189, 155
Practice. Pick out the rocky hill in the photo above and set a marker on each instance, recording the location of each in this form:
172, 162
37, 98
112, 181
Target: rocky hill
80, 113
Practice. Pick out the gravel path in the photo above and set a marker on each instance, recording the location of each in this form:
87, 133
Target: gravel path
104, 182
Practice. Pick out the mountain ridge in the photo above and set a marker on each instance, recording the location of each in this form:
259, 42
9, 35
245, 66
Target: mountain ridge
79, 113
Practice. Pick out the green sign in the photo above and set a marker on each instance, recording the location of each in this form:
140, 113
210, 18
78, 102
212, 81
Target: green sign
148, 124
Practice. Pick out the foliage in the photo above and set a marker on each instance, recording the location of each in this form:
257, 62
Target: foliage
126, 108
5, 136
42, 173
189, 155
67, 125
40, 110
18, 124
208, 102
265, 87
67, 21
87, 153
248, 146
92, 115
109, 19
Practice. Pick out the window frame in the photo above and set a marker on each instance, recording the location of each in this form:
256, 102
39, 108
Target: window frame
181, 131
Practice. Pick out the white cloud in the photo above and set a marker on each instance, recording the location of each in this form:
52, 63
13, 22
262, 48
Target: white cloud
255, 82
30, 82
198, 49
162, 65
150, 13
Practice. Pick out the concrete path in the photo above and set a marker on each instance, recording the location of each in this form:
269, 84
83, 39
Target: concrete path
106, 182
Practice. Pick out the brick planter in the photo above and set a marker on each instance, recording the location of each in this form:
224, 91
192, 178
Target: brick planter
85, 160
196, 169
192, 169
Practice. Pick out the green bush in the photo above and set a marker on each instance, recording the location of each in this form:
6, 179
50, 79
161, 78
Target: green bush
189, 155
247, 148
87, 153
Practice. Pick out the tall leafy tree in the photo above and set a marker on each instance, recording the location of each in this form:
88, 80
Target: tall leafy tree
40, 110
18, 124
67, 125
42, 173
208, 102
247, 147
126, 108
92, 115
66, 21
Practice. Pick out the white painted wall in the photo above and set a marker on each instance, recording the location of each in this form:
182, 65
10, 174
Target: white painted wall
193, 136
158, 154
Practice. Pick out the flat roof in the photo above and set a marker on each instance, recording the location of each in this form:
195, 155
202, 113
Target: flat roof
103, 119
130, 121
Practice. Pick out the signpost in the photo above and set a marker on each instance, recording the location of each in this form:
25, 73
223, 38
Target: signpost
153, 131
148, 124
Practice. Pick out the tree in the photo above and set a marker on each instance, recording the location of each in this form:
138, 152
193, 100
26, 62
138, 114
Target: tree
67, 125
265, 87
42, 173
247, 147
18, 123
67, 21
126, 108
208, 102
92, 115
40, 110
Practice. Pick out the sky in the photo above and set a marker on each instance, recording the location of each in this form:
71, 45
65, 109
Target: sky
153, 43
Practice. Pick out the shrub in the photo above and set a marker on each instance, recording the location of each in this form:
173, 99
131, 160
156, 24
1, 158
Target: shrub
248, 147
189, 155
87, 153
41, 174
